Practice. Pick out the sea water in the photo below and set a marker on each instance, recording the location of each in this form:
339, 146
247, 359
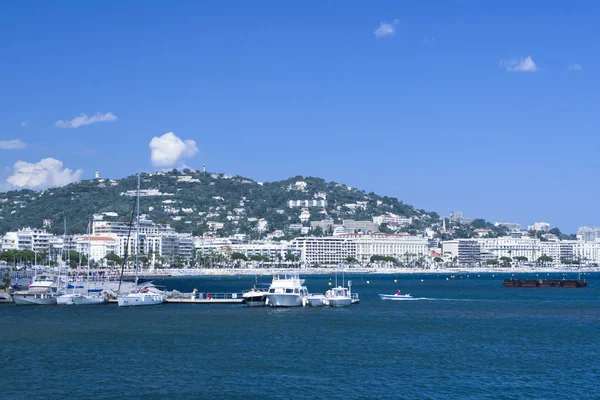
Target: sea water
465, 337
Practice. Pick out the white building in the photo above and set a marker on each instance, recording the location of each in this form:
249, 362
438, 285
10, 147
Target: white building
307, 203
466, 251
27, 239
328, 250
391, 218
97, 247
512, 247
400, 247
588, 234
363, 226
539, 226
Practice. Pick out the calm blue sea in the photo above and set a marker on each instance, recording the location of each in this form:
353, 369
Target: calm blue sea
467, 338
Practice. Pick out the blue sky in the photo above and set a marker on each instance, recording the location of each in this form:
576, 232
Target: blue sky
486, 107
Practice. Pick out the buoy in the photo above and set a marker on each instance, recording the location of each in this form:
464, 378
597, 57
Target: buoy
395, 280
330, 283
446, 278
479, 276
368, 282
493, 276
421, 280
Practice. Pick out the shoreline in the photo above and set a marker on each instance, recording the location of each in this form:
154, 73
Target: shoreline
358, 271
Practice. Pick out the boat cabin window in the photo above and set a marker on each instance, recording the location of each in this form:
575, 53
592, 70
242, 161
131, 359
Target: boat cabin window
289, 290
296, 291
271, 290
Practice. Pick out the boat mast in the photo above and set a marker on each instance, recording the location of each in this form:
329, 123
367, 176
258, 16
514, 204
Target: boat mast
89, 251
137, 232
67, 256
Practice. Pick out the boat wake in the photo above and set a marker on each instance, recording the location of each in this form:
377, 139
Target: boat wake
426, 299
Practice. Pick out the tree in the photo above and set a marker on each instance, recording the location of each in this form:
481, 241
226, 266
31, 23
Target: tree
491, 262
113, 259
318, 231
521, 259
351, 259
291, 257
239, 256
438, 259
545, 259
506, 260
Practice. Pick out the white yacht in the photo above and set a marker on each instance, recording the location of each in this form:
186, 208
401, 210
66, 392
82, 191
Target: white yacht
287, 290
339, 297
42, 291
317, 300
93, 296
147, 295
256, 297
90, 299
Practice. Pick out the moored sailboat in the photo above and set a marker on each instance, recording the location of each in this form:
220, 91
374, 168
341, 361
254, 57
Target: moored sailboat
148, 295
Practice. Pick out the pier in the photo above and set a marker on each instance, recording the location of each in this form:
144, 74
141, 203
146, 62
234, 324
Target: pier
202, 298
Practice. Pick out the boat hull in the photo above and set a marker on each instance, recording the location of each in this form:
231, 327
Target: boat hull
254, 301
395, 296
66, 299
340, 301
317, 301
33, 299
567, 283
284, 300
140, 299
90, 300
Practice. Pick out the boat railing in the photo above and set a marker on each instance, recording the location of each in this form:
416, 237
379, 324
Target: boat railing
218, 296
354, 296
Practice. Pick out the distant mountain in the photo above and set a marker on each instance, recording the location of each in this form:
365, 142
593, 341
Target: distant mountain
198, 202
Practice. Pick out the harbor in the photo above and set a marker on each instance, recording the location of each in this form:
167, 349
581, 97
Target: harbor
376, 340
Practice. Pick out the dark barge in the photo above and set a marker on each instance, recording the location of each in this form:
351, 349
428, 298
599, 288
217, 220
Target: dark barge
568, 283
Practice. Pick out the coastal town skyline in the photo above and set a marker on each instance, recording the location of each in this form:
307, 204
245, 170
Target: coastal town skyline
446, 111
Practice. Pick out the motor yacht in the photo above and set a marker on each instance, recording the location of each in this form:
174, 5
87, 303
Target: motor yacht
42, 291
339, 297
256, 297
287, 290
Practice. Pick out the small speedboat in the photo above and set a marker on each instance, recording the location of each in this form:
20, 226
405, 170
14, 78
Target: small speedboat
395, 296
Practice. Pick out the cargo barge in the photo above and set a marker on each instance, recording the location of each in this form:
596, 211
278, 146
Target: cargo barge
568, 283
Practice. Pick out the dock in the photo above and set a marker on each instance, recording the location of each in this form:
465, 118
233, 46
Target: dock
195, 301
202, 298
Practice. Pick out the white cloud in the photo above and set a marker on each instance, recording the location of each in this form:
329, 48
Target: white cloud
522, 65
49, 172
575, 67
83, 119
168, 150
14, 144
386, 29
24, 124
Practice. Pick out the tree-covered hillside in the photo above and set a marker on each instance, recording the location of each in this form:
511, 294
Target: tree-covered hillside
197, 202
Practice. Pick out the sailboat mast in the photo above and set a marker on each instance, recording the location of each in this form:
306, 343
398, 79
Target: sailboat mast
67, 256
137, 232
89, 252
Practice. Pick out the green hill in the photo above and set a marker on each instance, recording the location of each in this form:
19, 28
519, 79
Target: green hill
188, 200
